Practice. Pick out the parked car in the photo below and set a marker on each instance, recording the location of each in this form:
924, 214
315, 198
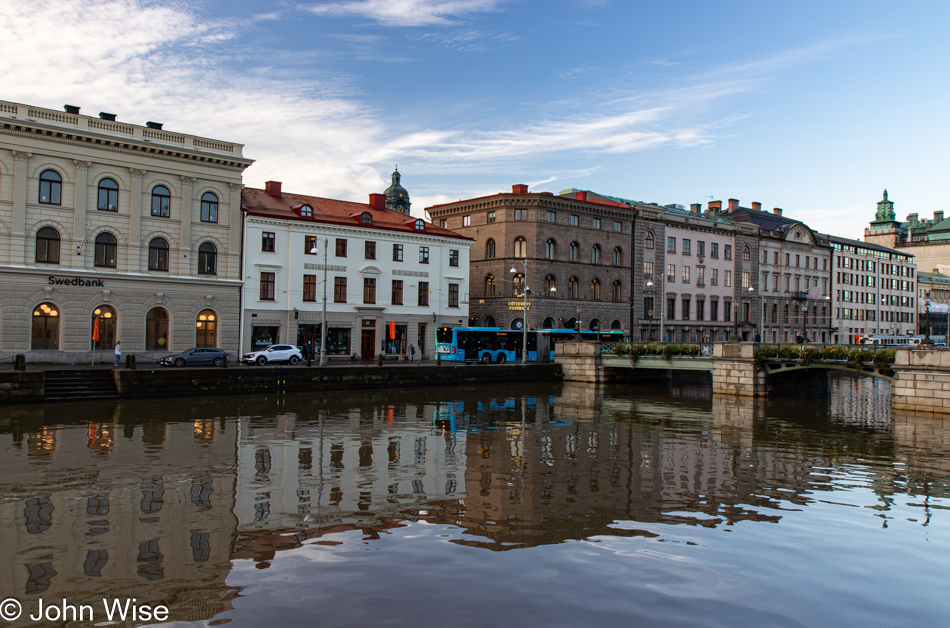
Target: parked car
197, 357
273, 353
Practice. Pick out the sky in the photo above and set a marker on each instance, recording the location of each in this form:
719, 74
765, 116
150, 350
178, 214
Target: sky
814, 107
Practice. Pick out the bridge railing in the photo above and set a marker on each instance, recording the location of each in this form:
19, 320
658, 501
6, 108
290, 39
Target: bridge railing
805, 354
659, 349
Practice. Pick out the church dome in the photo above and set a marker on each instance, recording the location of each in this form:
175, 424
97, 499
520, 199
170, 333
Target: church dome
397, 197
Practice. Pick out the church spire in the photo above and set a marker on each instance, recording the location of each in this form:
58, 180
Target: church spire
397, 197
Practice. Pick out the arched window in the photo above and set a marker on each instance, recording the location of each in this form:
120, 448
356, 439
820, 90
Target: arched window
366, 218
518, 285
618, 256
550, 286
617, 291
105, 316
594, 325
573, 287
548, 323
650, 240
489, 321
158, 254
516, 323
108, 195
747, 254
595, 292
490, 249
45, 327
47, 246
550, 249
209, 207
207, 259
161, 201
615, 325
420, 225
105, 250
306, 211
490, 286
521, 247
156, 329
575, 251
51, 188
571, 323
595, 254
206, 328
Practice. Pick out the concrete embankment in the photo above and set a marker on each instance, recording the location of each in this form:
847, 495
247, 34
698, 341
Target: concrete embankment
21, 386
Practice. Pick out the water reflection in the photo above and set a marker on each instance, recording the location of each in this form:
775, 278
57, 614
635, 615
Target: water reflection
161, 500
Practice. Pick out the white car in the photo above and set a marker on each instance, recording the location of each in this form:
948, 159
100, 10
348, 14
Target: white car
273, 353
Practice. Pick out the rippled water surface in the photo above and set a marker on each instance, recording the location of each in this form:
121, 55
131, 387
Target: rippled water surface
540, 505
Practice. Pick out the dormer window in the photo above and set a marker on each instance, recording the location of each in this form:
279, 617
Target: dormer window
365, 218
420, 225
306, 211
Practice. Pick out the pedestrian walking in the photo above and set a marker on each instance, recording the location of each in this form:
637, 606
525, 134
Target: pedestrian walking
412, 352
118, 352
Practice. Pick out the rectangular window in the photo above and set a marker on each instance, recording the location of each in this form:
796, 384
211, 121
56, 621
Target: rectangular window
684, 309
714, 250
397, 292
424, 254
267, 286
714, 310
552, 217
700, 310
491, 217
648, 270
453, 295
686, 246
788, 259
745, 280
423, 293
798, 261
671, 308
727, 311
700, 277
685, 274
309, 287
268, 242
466, 221
310, 245
369, 250
618, 226
700, 248
453, 257
671, 244
574, 220
714, 277
775, 258
339, 289
595, 223
671, 273
727, 251
340, 247
521, 214
397, 252
369, 290
443, 223
727, 278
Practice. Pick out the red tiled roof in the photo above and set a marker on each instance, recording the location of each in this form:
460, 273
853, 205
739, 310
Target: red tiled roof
503, 194
257, 202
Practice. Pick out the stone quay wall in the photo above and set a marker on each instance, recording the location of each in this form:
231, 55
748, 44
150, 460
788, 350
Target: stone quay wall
21, 386
922, 381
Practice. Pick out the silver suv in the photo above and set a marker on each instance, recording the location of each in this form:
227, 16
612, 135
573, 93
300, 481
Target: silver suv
273, 353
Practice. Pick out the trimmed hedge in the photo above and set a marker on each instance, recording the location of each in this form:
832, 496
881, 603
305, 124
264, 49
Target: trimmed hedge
855, 357
665, 349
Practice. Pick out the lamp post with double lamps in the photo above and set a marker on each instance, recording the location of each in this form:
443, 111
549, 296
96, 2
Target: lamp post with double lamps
524, 312
323, 325
652, 288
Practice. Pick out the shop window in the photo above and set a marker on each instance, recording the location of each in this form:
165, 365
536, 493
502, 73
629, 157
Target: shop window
47, 246
45, 335
263, 336
51, 188
105, 250
206, 327
156, 329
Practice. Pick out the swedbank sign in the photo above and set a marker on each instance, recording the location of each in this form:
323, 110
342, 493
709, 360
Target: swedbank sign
75, 281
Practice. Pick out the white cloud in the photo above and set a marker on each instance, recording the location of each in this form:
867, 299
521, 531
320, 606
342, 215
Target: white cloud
406, 12
470, 40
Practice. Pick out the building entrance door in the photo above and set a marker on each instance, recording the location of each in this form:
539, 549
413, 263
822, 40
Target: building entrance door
368, 344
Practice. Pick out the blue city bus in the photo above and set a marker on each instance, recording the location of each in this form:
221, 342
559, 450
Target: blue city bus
494, 345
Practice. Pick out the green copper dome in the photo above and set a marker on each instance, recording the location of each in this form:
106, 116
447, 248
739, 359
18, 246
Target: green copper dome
397, 197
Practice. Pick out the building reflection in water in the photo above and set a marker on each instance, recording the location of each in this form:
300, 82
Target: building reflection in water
156, 500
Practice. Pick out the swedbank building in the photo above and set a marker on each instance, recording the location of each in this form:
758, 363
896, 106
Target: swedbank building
130, 228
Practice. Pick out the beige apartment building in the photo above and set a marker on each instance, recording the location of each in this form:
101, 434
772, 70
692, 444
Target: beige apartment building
128, 230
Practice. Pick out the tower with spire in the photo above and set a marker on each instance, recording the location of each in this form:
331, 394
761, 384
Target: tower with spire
885, 216
397, 198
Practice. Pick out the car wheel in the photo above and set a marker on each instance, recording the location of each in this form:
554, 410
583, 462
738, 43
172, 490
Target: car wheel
180, 362
218, 361
261, 361
293, 360
486, 359
501, 358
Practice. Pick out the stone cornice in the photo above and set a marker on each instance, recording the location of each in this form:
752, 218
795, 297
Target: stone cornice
330, 229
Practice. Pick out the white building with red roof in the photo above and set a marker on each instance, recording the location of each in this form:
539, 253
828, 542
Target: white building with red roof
391, 279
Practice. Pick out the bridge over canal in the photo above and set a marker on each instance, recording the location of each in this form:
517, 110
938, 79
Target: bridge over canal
920, 378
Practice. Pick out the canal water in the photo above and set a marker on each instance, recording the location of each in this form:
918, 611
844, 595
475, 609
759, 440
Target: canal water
541, 505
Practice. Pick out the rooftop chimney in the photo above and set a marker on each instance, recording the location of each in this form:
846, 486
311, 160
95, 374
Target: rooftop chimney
912, 219
777, 211
733, 204
695, 208
71, 109
938, 217
580, 196
154, 125
519, 188
107, 116
272, 188
757, 206
715, 207
377, 201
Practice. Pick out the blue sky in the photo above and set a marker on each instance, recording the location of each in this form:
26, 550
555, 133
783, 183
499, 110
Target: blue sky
814, 107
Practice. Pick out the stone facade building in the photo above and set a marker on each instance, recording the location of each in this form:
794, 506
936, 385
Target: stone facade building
928, 240
391, 279
573, 251
131, 230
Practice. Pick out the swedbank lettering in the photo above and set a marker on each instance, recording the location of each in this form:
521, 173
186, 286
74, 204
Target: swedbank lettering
75, 281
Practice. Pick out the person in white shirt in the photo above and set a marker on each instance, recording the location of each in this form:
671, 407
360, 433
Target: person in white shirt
118, 352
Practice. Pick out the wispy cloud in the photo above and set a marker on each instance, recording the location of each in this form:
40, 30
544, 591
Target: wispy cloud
406, 12
470, 40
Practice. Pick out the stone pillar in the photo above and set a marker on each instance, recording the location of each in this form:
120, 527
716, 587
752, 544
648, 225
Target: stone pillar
79, 216
18, 220
185, 261
580, 361
921, 381
235, 225
734, 371
135, 221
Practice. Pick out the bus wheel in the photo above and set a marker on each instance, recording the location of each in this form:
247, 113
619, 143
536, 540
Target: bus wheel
486, 359
501, 358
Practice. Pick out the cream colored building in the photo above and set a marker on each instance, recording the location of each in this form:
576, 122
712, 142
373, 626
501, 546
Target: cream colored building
131, 225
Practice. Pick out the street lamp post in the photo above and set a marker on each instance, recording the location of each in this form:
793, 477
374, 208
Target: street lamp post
927, 340
323, 325
524, 312
652, 287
